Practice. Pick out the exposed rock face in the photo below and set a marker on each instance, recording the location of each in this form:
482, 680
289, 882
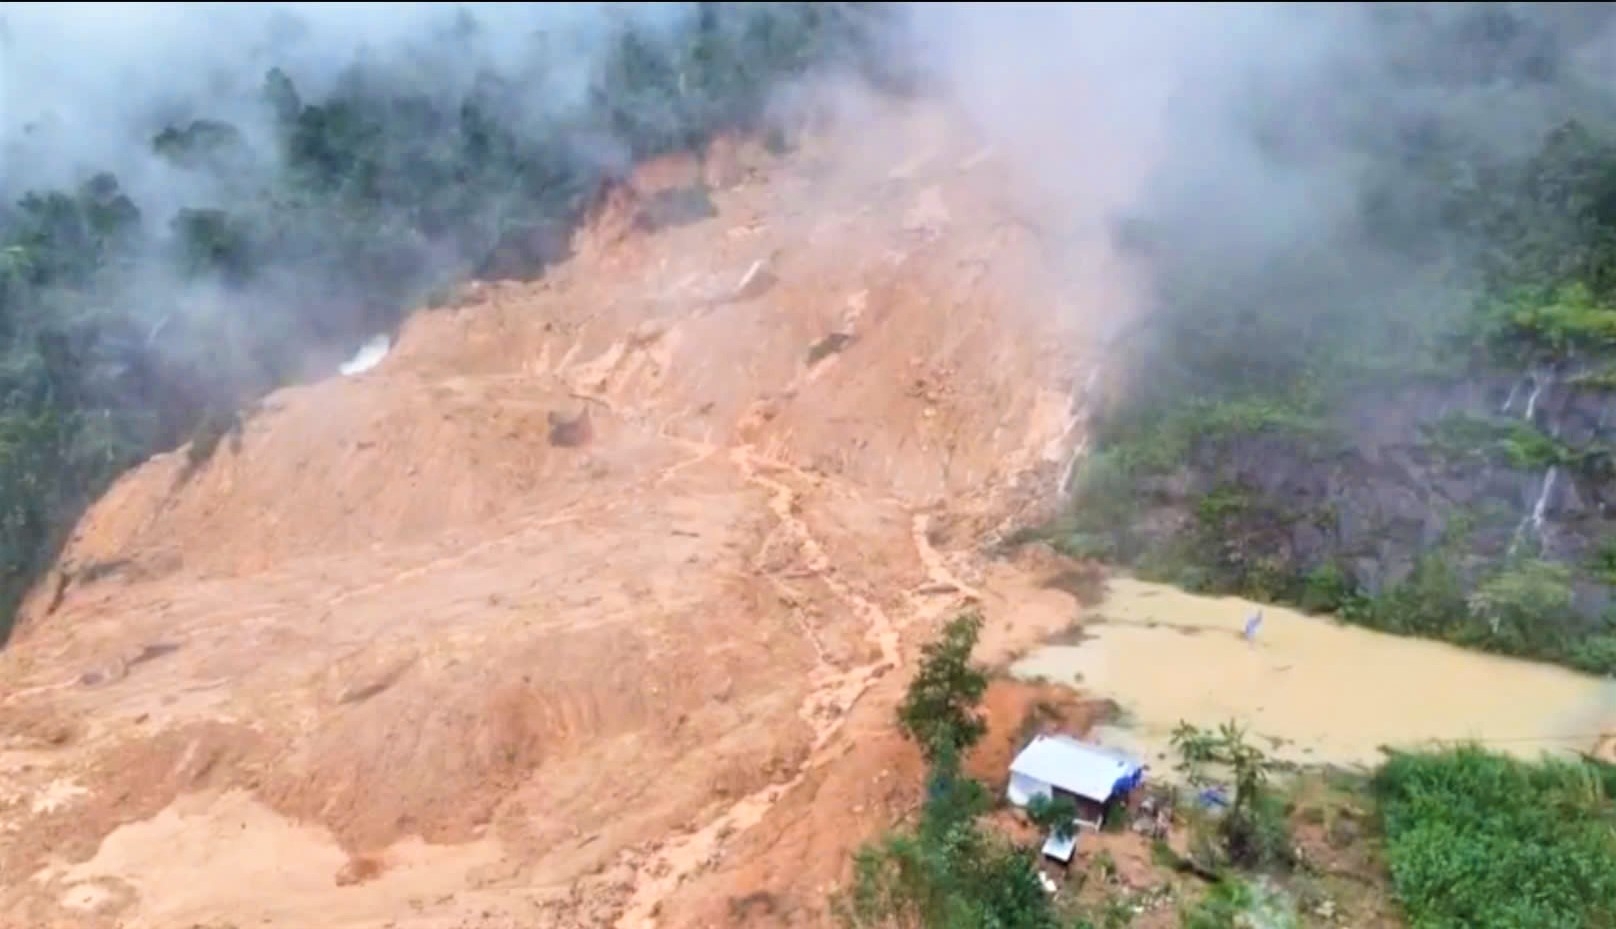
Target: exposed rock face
1382, 489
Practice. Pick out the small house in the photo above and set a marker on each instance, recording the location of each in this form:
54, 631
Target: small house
1090, 776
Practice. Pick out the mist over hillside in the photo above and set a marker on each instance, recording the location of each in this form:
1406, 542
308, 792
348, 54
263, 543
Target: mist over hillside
643, 585
1308, 203
1372, 376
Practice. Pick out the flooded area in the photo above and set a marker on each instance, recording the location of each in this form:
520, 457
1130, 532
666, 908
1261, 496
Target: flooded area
1314, 690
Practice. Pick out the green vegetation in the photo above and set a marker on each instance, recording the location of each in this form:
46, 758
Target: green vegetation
1559, 322
1481, 841
1235, 903
939, 711
1511, 442
1253, 832
127, 328
1521, 607
1249, 453
948, 870
1467, 838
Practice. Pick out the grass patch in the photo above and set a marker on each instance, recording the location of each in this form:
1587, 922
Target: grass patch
1233, 904
1476, 840
1558, 322
1601, 379
1512, 442
1602, 563
1163, 441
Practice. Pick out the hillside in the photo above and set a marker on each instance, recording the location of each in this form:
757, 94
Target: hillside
1399, 409
708, 366
559, 614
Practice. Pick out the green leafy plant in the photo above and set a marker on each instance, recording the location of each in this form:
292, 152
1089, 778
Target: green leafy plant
1057, 815
1521, 608
1252, 832
1475, 839
939, 711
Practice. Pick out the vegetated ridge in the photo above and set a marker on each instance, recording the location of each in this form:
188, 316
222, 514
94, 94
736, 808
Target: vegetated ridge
1404, 417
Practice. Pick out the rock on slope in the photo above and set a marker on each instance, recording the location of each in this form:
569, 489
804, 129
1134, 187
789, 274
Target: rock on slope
392, 657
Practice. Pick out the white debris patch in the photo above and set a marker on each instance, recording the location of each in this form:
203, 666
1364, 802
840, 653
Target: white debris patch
56, 795
369, 356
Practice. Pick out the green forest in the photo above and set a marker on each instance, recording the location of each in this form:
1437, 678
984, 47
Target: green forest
125, 330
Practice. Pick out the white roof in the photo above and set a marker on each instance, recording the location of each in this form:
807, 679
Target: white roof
1060, 761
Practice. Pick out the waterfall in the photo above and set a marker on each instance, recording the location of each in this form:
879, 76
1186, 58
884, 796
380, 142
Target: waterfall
1543, 499
1509, 401
1538, 381
1533, 521
1082, 411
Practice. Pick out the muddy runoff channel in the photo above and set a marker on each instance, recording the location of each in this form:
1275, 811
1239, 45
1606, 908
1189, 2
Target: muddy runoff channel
1313, 690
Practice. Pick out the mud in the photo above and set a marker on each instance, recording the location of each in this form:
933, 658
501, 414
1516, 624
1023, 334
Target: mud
404, 656
1316, 691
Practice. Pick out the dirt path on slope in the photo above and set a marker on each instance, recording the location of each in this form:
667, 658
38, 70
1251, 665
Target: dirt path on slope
826, 706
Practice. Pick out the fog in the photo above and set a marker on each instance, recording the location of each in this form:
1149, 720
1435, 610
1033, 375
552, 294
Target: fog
85, 86
1232, 152
1234, 126
1235, 131
1280, 170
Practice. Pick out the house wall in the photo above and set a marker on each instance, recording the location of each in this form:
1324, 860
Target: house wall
1022, 789
1090, 812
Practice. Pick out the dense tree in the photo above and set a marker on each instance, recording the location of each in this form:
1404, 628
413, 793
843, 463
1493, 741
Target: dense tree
939, 712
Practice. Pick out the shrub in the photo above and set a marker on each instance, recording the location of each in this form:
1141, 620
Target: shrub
1523, 608
1326, 589
1253, 832
1057, 815
1476, 840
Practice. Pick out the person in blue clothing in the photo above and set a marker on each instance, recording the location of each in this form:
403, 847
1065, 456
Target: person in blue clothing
1252, 625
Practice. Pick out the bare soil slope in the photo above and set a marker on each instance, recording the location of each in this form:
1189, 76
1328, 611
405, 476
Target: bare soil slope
587, 606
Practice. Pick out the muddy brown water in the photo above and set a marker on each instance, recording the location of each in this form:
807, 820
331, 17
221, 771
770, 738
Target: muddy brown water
1312, 689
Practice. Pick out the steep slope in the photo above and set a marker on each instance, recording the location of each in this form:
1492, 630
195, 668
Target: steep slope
581, 607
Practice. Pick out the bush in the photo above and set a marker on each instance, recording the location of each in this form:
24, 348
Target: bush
1602, 563
1057, 815
1254, 831
1430, 601
1235, 904
1327, 589
1476, 840
1595, 654
1510, 442
1524, 608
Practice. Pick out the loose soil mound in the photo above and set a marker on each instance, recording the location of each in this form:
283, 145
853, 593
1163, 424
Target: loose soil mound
414, 649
